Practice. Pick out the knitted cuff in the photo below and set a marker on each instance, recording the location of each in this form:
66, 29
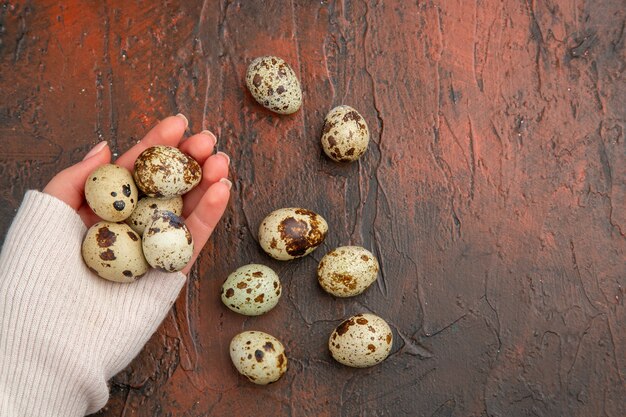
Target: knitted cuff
64, 331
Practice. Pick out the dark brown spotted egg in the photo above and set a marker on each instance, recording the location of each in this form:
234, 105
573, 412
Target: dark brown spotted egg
290, 233
111, 192
165, 171
274, 85
148, 207
167, 242
113, 251
361, 341
347, 271
345, 136
251, 290
258, 356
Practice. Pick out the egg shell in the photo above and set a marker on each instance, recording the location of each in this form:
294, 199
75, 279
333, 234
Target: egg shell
113, 251
347, 271
258, 356
148, 207
111, 192
345, 136
361, 341
165, 171
251, 290
167, 242
274, 85
290, 233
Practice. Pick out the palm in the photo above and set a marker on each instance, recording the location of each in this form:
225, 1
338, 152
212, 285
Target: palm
203, 206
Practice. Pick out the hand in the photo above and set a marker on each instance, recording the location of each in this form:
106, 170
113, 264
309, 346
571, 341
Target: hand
63, 329
203, 206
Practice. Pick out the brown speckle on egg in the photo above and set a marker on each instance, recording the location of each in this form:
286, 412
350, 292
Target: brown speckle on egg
107, 255
105, 237
119, 205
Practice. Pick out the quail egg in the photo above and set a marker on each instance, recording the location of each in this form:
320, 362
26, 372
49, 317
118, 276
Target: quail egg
251, 290
274, 85
148, 206
361, 341
347, 271
111, 192
165, 171
345, 136
167, 242
258, 356
290, 233
113, 251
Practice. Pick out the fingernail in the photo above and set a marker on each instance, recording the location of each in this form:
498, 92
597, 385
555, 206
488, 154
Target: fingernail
227, 182
225, 156
182, 116
211, 135
96, 150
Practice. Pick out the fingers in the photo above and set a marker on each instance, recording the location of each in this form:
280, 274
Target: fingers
69, 184
214, 168
168, 132
202, 221
199, 146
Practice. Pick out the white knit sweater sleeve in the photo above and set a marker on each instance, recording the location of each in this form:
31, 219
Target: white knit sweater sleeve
64, 331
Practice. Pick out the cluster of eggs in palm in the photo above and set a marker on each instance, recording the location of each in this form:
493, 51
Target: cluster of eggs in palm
138, 232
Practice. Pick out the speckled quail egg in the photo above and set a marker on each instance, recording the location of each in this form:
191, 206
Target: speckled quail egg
290, 233
345, 136
258, 356
361, 341
113, 251
148, 206
274, 85
111, 192
167, 242
165, 171
251, 290
347, 271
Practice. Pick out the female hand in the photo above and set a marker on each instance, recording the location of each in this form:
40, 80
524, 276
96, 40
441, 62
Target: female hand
63, 330
203, 206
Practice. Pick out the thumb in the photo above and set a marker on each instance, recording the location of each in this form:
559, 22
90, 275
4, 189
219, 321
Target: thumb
69, 184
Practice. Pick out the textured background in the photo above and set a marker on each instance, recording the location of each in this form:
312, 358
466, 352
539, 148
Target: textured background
493, 192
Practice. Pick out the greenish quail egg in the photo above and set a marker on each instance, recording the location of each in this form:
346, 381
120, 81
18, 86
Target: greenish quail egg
148, 206
345, 136
361, 341
251, 290
290, 233
167, 242
258, 356
165, 171
347, 271
111, 192
113, 251
274, 85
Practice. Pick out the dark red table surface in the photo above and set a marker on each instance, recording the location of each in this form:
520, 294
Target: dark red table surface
493, 191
